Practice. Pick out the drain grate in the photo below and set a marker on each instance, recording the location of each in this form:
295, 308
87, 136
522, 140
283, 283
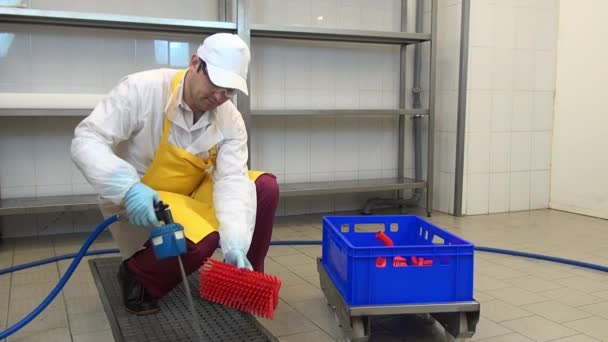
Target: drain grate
173, 323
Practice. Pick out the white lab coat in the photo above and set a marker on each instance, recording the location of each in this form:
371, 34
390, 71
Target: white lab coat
114, 146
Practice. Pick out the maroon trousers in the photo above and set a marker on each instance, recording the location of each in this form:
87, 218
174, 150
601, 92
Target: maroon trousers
160, 277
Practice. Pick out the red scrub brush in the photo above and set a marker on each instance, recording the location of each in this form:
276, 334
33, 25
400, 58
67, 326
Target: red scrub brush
253, 292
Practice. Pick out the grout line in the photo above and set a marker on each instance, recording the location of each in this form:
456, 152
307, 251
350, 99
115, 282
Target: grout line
65, 302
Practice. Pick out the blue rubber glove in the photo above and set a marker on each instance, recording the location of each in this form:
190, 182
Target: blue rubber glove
238, 258
139, 202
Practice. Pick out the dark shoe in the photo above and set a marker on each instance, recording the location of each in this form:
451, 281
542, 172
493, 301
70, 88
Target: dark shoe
136, 300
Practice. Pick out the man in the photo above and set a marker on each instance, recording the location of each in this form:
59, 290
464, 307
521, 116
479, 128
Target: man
173, 136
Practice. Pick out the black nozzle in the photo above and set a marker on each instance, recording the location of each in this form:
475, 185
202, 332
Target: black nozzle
162, 212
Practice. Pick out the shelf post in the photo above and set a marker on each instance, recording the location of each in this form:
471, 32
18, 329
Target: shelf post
462, 107
431, 128
402, 102
243, 101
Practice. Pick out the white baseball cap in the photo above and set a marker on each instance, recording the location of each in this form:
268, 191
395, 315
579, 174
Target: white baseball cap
227, 57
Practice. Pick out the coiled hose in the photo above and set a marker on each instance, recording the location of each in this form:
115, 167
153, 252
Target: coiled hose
77, 257
83, 251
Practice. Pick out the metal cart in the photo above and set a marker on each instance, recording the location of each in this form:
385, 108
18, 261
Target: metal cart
459, 319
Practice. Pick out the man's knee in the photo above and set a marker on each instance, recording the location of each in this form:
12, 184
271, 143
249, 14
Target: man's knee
204, 248
267, 188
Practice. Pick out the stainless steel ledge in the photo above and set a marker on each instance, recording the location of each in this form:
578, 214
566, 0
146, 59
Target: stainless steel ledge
45, 112
338, 35
35, 205
348, 186
112, 21
329, 112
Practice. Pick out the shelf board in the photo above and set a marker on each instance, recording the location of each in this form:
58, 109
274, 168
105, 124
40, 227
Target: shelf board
36, 205
47, 104
330, 112
338, 35
45, 112
112, 21
349, 186
60, 104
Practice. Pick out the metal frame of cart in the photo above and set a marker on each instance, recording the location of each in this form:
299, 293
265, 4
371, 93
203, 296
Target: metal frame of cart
459, 319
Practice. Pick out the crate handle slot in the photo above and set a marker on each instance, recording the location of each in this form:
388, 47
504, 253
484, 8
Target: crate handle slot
368, 227
438, 240
345, 228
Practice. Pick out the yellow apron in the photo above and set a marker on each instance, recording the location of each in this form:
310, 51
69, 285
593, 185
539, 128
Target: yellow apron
182, 180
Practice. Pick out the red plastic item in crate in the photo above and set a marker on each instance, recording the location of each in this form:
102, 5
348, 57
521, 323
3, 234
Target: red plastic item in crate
238, 288
420, 261
398, 261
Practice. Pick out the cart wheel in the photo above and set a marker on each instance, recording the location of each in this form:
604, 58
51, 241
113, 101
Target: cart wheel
426, 318
450, 338
358, 329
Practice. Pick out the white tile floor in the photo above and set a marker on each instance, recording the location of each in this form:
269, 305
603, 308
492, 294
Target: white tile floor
521, 299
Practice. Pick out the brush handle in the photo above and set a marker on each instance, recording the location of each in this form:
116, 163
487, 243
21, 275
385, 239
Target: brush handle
384, 239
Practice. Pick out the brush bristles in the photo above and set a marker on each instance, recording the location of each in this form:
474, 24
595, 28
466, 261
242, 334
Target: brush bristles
241, 289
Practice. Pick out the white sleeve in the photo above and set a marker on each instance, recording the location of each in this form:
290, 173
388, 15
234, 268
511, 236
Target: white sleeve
113, 120
234, 195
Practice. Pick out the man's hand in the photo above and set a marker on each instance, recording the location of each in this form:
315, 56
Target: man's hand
238, 258
139, 202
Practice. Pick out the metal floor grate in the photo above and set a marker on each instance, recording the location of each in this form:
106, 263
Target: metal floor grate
173, 323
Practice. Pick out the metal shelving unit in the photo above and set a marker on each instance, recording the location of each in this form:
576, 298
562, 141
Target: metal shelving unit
246, 30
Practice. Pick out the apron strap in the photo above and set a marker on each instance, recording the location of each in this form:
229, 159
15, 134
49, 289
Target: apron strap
173, 95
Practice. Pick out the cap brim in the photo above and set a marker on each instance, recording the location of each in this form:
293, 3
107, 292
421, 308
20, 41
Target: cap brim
226, 79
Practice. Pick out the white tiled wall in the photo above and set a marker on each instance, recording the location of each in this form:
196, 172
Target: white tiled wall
382, 15
65, 60
35, 161
35, 158
512, 55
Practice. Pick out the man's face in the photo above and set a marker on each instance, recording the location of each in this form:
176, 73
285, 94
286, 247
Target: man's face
204, 94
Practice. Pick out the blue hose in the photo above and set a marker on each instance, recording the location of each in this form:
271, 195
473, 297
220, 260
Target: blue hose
53, 259
543, 257
318, 242
83, 251
62, 281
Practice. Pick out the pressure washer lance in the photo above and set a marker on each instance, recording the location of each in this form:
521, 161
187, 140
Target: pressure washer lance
169, 241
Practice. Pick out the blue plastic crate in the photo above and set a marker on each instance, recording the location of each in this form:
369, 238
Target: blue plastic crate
351, 250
